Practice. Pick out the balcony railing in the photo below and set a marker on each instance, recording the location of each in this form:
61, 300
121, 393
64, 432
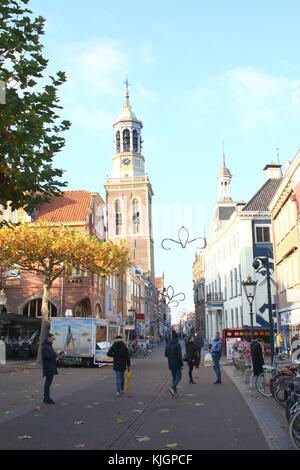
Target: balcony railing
214, 297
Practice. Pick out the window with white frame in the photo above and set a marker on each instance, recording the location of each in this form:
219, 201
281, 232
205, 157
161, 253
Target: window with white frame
262, 234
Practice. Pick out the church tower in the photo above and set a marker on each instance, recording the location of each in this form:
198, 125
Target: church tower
225, 206
129, 192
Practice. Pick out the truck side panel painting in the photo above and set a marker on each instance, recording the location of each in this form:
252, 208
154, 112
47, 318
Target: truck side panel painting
84, 338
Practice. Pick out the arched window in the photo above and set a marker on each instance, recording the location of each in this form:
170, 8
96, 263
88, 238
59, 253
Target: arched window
126, 140
118, 217
34, 309
118, 142
135, 216
135, 138
98, 312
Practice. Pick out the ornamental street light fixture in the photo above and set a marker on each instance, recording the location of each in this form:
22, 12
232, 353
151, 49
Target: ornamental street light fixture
132, 318
3, 302
258, 263
183, 239
250, 290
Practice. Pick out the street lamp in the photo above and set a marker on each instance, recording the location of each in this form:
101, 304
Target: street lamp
132, 318
3, 301
258, 263
249, 287
69, 313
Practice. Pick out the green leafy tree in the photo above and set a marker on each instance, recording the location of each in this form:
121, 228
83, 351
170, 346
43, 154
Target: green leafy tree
30, 127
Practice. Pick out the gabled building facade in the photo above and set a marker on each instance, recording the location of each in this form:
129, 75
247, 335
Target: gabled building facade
239, 233
285, 208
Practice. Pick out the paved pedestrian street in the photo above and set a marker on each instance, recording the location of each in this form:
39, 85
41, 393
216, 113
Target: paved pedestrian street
88, 415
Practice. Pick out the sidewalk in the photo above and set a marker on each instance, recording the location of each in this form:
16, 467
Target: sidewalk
269, 415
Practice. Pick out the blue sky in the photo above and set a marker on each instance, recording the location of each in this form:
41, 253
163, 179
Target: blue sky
198, 70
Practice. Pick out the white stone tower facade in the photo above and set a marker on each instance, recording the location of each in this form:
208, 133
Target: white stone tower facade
129, 192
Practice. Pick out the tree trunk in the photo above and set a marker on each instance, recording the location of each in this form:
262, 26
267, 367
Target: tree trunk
45, 321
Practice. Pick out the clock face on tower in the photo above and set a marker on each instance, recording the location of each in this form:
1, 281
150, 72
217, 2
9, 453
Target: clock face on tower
126, 161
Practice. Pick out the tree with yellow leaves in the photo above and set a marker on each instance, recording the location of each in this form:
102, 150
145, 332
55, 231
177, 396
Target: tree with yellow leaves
54, 252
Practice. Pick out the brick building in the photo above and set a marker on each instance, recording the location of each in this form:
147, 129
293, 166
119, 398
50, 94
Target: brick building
83, 294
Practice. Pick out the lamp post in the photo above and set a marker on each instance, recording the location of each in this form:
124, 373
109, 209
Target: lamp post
263, 261
132, 317
3, 302
249, 287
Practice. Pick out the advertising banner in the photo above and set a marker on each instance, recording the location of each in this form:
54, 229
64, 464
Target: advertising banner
72, 336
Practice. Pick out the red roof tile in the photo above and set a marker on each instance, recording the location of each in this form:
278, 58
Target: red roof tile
72, 206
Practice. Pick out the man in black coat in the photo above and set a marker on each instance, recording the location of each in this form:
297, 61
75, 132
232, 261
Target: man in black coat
120, 354
198, 344
174, 354
49, 367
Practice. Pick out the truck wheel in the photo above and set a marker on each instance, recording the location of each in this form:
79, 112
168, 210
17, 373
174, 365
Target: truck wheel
86, 363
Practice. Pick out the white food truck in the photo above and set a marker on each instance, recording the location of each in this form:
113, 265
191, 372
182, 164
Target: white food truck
84, 340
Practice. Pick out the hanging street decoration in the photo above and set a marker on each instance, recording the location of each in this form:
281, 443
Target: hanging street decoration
169, 295
183, 239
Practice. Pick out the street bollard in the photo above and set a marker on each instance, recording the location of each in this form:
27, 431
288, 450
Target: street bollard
2, 353
252, 382
247, 375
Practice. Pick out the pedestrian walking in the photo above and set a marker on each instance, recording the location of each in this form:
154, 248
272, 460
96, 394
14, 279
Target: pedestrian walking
174, 354
279, 343
49, 366
121, 357
198, 344
216, 352
191, 356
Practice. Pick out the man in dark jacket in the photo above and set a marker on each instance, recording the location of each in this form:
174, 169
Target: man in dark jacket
198, 347
174, 354
121, 357
49, 367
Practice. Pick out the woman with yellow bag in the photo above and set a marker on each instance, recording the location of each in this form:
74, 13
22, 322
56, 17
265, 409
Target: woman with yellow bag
120, 355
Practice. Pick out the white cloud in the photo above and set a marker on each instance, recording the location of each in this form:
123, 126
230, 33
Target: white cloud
100, 66
145, 94
252, 97
92, 119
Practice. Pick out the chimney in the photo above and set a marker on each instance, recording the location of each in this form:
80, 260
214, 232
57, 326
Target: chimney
273, 171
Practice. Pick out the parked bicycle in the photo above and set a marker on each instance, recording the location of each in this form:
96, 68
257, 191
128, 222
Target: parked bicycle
274, 380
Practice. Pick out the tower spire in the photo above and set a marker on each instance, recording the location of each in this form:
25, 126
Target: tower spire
127, 87
223, 153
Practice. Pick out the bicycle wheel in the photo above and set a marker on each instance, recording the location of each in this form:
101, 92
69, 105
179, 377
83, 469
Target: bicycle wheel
262, 385
294, 430
281, 390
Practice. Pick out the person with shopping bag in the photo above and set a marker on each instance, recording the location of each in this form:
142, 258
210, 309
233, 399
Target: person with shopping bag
121, 357
216, 352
